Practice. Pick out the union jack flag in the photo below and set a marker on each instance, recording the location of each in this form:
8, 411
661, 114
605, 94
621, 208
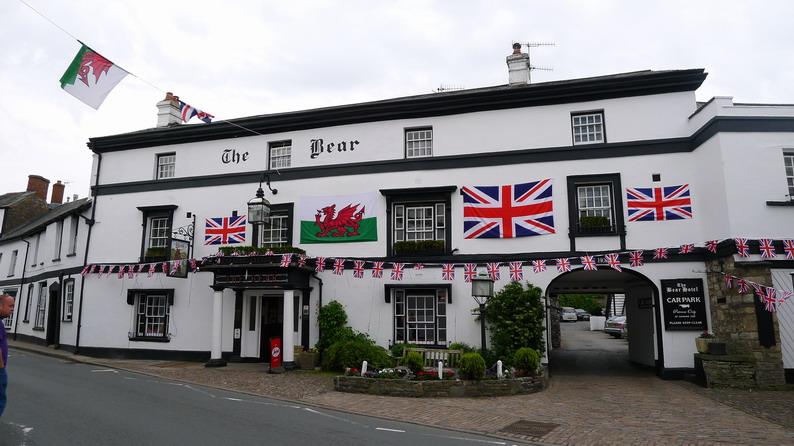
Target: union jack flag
493, 270
614, 261
788, 246
563, 265
131, 270
742, 247
377, 270
636, 259
686, 249
767, 248
358, 269
711, 245
659, 203
660, 253
448, 271
85, 270
339, 267
469, 271
397, 271
320, 267
301, 260
188, 111
728, 281
589, 263
286, 259
767, 295
538, 266
516, 273
122, 269
743, 286
513, 210
224, 230
151, 270
166, 268
419, 266
786, 296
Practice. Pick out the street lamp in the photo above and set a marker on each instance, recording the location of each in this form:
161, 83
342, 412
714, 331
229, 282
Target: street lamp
259, 207
481, 291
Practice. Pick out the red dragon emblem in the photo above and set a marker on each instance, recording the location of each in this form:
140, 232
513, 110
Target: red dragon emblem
336, 225
97, 62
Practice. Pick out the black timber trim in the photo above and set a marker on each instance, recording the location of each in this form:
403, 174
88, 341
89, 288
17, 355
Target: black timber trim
44, 276
616, 189
789, 203
488, 158
419, 191
412, 107
420, 195
142, 353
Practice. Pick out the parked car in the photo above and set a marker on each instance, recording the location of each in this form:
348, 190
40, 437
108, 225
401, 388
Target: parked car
582, 315
616, 326
568, 314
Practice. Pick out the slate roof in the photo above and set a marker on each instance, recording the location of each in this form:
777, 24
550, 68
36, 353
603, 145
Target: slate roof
9, 199
42, 221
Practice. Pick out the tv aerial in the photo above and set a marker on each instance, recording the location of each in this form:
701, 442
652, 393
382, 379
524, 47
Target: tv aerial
529, 46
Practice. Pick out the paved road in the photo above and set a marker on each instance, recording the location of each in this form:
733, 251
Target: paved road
56, 402
585, 352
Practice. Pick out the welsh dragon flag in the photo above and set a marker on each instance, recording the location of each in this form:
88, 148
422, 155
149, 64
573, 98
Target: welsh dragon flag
339, 219
90, 77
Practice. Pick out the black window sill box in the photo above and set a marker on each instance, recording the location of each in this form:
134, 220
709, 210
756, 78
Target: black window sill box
594, 232
71, 255
56, 260
155, 259
38, 328
10, 275
148, 339
66, 320
780, 203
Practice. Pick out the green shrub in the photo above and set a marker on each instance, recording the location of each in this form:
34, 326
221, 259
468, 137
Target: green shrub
419, 247
352, 352
593, 221
465, 348
472, 366
332, 319
515, 319
414, 361
398, 349
526, 360
249, 250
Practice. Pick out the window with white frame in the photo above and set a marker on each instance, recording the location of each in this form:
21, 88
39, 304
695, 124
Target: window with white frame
588, 128
8, 320
36, 245
27, 303
419, 142
595, 201
151, 315
12, 265
166, 165
157, 225
58, 240
420, 315
280, 154
68, 299
415, 222
41, 307
73, 228
158, 232
276, 232
788, 160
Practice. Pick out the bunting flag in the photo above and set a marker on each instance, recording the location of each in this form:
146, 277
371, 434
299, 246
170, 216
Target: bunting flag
166, 267
90, 77
743, 286
130, 273
120, 271
188, 112
660, 253
786, 295
538, 266
269, 252
397, 271
286, 259
105, 269
419, 266
358, 269
516, 272
742, 248
635, 259
151, 269
448, 271
94, 269
469, 271
686, 249
589, 263
85, 270
493, 271
377, 270
788, 247
339, 267
320, 266
767, 248
193, 266
711, 245
728, 281
301, 260
613, 260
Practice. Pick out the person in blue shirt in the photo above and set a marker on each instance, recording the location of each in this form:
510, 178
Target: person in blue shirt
6, 309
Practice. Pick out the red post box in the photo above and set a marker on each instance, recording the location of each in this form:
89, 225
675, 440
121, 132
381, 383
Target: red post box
275, 353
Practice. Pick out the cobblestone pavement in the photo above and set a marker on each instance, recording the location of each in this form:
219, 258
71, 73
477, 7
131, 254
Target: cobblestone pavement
582, 406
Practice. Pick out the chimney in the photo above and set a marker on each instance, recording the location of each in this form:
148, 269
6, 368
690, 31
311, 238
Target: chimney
74, 197
57, 192
168, 114
39, 185
518, 66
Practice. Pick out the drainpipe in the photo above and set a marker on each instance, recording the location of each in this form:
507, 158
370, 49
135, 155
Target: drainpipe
319, 301
90, 224
22, 286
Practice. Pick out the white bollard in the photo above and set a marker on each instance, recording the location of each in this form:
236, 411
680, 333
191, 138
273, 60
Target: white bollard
499, 369
440, 370
363, 368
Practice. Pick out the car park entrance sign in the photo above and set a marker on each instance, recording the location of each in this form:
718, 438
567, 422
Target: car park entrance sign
684, 304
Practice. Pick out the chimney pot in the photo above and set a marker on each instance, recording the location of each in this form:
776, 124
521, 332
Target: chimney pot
57, 192
518, 66
39, 185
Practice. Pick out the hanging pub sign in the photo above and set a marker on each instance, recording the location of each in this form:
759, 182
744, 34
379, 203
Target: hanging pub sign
684, 304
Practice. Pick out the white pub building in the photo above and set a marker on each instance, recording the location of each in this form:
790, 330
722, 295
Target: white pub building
612, 184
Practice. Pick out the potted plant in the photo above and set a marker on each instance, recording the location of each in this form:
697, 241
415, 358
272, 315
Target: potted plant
702, 341
307, 360
594, 224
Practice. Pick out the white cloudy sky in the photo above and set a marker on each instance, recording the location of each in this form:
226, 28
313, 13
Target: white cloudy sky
242, 58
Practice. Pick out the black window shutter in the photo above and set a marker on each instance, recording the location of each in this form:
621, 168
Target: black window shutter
766, 329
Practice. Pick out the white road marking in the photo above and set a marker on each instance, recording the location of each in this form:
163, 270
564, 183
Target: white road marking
232, 399
388, 430
188, 386
25, 431
131, 378
475, 440
104, 370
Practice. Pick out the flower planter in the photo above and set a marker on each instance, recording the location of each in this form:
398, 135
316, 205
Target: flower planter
702, 344
306, 360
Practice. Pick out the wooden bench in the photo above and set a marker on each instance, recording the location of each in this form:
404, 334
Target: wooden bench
431, 356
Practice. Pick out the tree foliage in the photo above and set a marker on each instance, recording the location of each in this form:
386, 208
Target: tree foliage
515, 319
592, 303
